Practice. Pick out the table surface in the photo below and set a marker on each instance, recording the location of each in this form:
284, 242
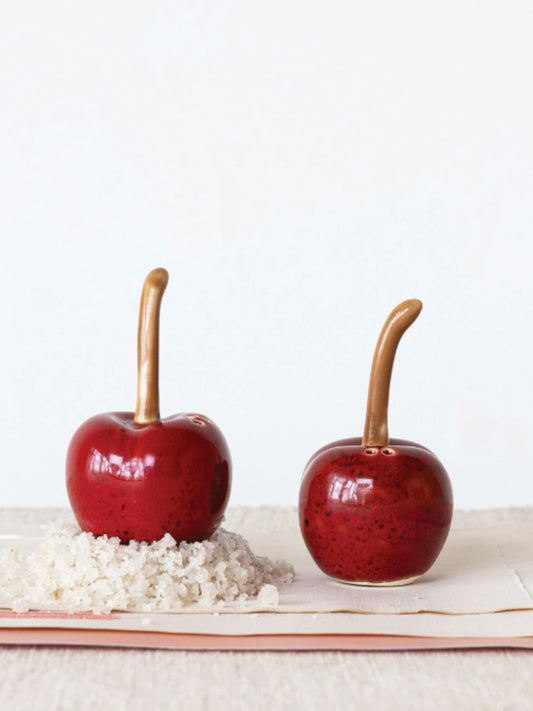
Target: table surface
57, 678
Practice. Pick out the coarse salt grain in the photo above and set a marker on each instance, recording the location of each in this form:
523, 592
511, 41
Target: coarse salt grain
74, 570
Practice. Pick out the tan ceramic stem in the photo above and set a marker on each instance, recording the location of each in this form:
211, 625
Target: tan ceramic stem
147, 409
376, 426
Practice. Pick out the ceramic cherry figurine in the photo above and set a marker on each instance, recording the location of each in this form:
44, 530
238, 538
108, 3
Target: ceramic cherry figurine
374, 510
137, 476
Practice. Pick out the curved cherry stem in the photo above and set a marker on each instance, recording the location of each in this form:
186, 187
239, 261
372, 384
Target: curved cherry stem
147, 408
376, 432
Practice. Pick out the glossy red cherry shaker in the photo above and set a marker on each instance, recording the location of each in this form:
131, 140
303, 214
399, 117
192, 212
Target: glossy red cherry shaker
374, 510
137, 476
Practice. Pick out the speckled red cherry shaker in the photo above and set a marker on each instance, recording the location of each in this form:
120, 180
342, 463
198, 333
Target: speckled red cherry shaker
374, 510
137, 476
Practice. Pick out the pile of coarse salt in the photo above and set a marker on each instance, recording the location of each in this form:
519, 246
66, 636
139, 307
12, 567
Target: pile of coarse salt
71, 570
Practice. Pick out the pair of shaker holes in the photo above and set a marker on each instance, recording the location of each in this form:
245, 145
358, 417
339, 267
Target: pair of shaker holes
197, 420
386, 451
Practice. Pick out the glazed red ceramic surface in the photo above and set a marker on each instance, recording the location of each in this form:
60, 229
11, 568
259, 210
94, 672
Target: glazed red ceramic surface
375, 514
142, 481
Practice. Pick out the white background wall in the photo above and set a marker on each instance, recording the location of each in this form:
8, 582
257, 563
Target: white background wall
299, 168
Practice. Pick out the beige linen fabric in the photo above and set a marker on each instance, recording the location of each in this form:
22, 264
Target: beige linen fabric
129, 680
